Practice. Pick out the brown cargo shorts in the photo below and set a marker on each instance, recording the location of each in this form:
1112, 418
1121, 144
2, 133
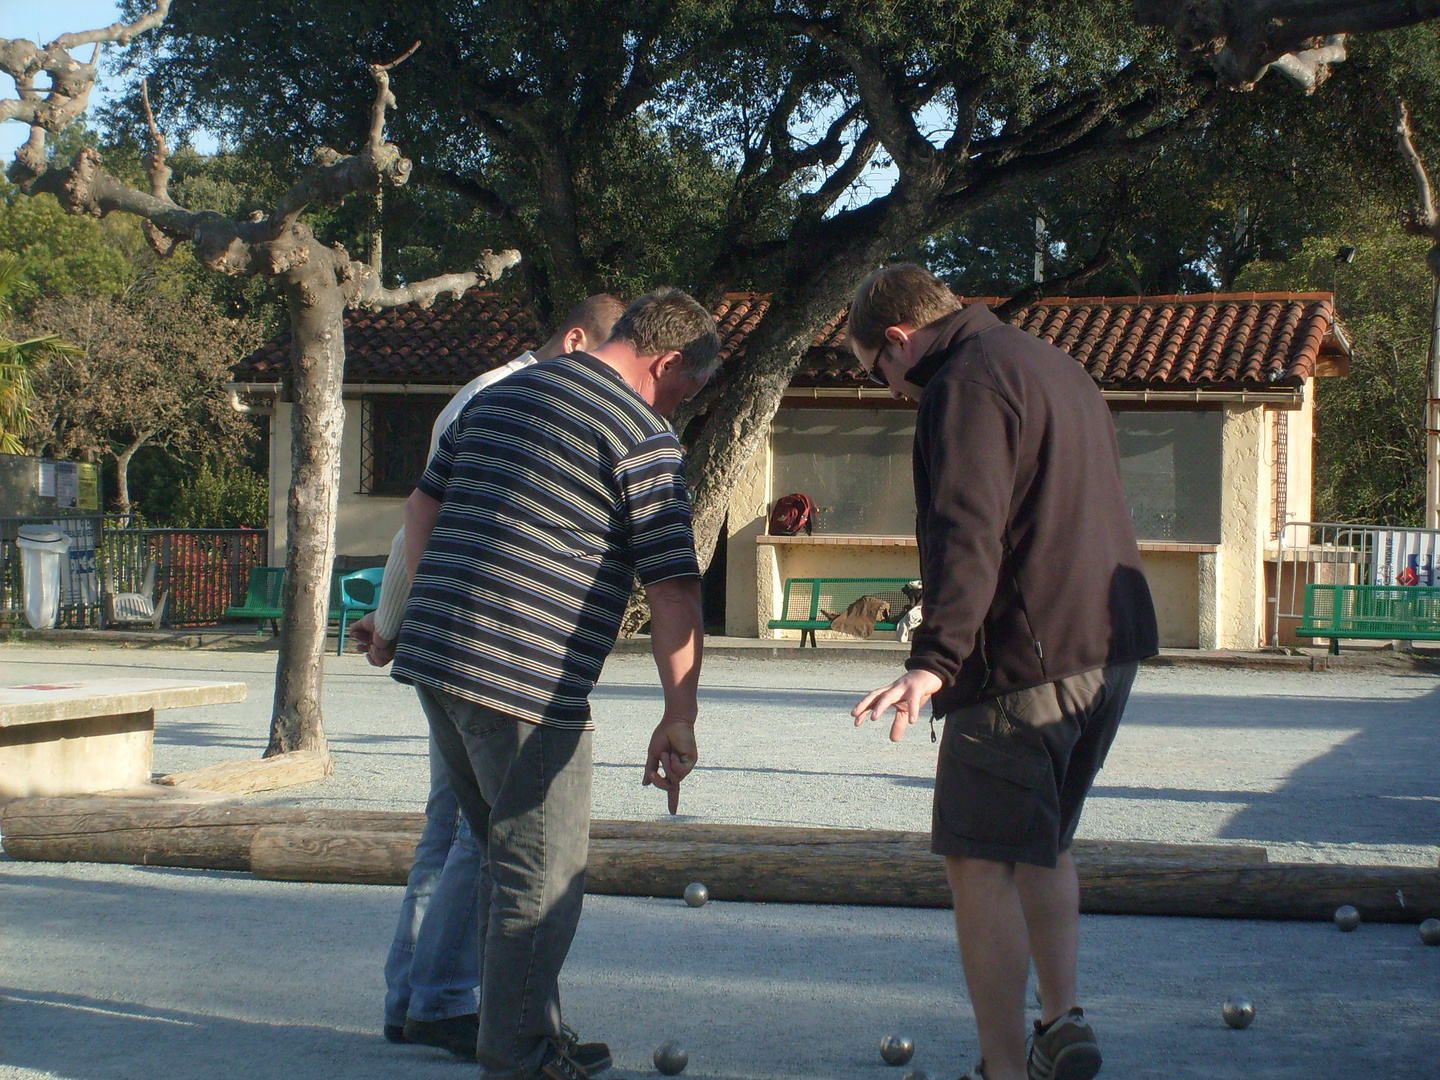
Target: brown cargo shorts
1014, 770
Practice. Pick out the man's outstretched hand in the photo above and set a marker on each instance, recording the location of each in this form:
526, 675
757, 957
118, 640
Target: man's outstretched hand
671, 756
907, 694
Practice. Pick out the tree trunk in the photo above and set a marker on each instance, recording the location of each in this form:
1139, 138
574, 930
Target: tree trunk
122, 474
317, 421
739, 419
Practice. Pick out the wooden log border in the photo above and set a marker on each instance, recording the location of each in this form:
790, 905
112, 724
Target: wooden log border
737, 862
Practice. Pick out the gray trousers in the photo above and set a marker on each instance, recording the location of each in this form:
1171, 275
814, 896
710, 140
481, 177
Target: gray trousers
525, 791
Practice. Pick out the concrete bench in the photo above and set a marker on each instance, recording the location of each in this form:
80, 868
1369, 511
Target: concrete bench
91, 735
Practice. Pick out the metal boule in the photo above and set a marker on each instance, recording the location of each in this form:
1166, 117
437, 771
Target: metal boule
696, 894
897, 1049
670, 1057
917, 1074
1346, 918
1238, 1011
1430, 931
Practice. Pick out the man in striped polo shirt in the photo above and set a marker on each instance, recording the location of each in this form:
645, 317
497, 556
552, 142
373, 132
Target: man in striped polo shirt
553, 491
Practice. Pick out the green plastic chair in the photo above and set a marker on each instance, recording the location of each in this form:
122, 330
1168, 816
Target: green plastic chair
359, 593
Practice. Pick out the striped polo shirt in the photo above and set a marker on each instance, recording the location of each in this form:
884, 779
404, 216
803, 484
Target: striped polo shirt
558, 487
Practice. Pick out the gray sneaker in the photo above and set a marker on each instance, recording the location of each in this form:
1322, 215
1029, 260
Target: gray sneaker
1066, 1050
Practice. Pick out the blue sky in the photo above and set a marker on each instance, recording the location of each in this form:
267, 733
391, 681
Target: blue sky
44, 22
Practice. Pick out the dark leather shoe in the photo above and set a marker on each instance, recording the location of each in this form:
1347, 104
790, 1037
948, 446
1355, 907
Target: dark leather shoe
395, 1033
458, 1034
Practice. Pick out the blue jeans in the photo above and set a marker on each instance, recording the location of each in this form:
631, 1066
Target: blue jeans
525, 790
433, 968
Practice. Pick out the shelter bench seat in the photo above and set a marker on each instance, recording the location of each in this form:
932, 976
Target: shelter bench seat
807, 598
1387, 612
266, 586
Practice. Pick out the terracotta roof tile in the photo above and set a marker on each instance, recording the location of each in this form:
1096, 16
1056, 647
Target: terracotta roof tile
1214, 339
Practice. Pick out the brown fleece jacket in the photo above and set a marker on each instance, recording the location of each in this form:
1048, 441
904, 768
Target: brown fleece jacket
1028, 557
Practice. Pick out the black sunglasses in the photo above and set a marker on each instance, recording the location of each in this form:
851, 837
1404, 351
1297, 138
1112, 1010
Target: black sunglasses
873, 372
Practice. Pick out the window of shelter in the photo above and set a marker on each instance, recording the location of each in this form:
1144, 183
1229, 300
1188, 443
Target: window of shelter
855, 464
395, 441
1170, 468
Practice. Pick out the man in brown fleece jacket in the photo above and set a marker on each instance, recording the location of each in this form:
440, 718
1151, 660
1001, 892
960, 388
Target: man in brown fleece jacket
1036, 614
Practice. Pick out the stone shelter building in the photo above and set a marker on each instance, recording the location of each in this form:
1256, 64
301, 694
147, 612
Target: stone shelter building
1213, 397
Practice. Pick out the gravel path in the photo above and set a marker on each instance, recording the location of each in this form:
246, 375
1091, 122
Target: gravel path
1315, 766
113, 972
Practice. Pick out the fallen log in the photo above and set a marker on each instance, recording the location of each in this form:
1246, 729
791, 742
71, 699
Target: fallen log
894, 874
218, 836
251, 775
213, 836
290, 853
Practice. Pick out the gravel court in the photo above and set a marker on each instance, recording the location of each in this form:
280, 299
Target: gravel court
127, 973
1315, 766
117, 972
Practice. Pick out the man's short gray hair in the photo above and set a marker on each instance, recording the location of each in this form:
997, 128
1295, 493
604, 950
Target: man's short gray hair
670, 320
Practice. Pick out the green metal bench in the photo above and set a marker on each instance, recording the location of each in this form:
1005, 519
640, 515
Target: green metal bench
806, 598
1388, 612
263, 592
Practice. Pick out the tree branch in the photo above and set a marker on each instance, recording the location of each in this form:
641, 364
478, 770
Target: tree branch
70, 82
163, 243
1241, 40
890, 116
1102, 258
1420, 219
379, 165
367, 291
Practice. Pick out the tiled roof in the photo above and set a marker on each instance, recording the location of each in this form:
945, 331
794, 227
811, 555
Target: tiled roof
1213, 339
448, 345
1208, 340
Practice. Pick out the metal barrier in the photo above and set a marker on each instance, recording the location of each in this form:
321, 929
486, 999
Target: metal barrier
203, 570
1336, 553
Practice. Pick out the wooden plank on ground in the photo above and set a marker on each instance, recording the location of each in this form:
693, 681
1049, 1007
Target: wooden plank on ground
896, 873
142, 832
131, 830
252, 775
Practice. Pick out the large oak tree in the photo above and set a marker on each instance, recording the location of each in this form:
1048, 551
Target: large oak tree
736, 143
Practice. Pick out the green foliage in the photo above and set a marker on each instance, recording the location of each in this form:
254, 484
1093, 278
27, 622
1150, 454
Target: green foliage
62, 254
1370, 425
232, 497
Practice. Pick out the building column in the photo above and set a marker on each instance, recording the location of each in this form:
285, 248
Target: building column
1244, 517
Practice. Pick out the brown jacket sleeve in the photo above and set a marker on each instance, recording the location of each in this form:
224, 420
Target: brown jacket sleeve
967, 440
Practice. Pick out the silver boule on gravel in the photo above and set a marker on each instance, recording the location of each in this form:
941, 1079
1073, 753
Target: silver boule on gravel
1430, 931
897, 1049
1346, 918
670, 1057
1238, 1011
696, 894
917, 1074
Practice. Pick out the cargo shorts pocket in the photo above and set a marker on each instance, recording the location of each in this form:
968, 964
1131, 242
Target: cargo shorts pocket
994, 790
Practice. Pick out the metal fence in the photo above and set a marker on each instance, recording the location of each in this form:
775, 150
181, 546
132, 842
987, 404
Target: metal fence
203, 571
1329, 553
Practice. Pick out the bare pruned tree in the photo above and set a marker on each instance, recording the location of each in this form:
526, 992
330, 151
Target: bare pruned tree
1423, 219
1242, 40
319, 284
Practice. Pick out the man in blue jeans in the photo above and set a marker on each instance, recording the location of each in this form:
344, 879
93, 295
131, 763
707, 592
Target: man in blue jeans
433, 968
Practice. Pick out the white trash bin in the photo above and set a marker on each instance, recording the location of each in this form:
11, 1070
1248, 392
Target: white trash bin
42, 547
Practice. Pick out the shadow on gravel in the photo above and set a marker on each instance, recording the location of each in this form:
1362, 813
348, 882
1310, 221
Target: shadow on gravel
1380, 785
91, 1038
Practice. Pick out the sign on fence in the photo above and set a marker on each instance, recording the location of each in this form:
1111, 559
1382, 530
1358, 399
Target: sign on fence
1404, 557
